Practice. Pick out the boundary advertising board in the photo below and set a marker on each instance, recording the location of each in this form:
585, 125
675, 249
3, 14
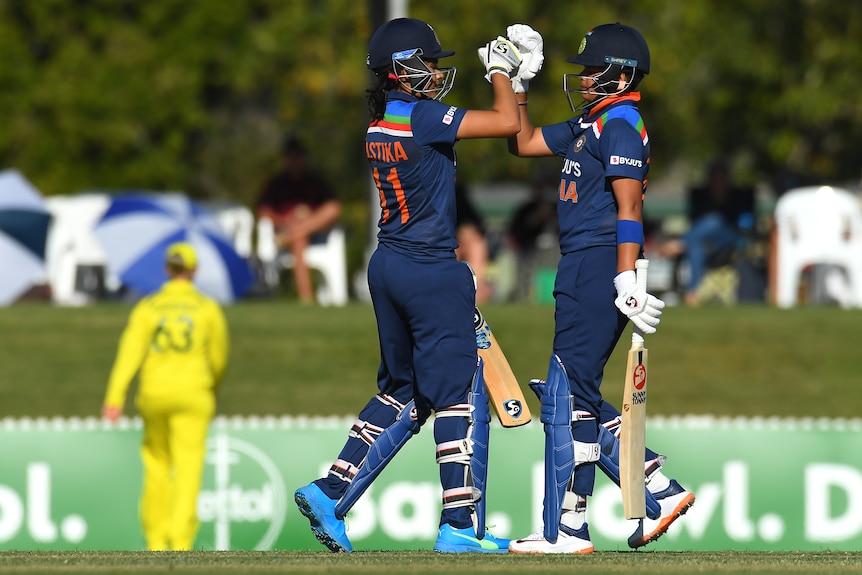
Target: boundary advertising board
761, 484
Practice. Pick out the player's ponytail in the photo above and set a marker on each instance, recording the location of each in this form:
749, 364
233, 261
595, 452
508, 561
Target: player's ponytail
383, 83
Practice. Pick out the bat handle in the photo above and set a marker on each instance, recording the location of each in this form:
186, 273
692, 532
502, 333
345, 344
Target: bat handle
641, 267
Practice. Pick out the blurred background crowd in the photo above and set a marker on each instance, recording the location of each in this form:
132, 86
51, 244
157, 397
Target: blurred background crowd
176, 115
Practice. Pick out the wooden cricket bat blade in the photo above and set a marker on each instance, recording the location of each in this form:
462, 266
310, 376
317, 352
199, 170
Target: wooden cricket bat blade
633, 425
633, 435
504, 392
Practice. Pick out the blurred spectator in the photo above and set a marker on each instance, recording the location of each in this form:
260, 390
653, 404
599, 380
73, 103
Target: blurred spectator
718, 211
472, 243
531, 220
301, 204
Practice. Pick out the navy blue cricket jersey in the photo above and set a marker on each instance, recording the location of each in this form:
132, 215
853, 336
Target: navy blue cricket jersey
611, 141
412, 157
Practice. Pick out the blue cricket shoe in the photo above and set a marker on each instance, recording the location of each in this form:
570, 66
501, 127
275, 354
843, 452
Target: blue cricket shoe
451, 540
320, 510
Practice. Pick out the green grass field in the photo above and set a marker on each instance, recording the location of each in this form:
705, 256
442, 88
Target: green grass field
292, 359
414, 562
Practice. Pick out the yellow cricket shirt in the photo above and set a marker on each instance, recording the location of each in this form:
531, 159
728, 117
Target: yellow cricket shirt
177, 338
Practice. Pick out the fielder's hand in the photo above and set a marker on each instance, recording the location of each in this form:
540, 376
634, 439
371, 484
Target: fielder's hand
642, 308
530, 44
499, 57
112, 413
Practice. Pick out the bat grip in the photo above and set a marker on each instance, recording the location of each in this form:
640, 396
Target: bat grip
641, 267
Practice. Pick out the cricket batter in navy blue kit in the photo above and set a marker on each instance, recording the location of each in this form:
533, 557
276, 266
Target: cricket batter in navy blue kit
602, 185
423, 296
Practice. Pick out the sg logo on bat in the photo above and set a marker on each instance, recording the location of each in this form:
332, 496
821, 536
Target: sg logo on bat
513, 408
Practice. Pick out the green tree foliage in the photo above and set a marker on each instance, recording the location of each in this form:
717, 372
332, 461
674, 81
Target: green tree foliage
770, 83
195, 95
172, 94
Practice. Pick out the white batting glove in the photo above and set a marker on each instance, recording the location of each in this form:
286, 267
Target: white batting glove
530, 44
499, 57
642, 308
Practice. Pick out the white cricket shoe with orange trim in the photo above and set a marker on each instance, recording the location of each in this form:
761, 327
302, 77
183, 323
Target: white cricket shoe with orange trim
569, 541
674, 501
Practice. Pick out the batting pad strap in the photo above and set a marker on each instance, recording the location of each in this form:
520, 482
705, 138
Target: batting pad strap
574, 502
653, 465
365, 431
586, 452
457, 451
570, 501
344, 470
457, 410
578, 415
460, 497
613, 426
391, 401
630, 232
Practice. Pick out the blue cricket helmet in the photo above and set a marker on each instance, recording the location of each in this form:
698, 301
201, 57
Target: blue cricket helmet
613, 44
402, 35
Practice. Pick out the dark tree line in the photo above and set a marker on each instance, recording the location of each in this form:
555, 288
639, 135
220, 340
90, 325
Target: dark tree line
195, 95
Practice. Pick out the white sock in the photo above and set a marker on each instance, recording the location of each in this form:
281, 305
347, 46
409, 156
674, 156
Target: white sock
657, 481
574, 519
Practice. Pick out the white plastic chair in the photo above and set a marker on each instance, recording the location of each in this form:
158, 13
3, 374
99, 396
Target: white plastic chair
818, 225
329, 258
236, 220
71, 245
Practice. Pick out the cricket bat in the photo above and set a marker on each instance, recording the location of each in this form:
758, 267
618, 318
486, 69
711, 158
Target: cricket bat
633, 427
503, 390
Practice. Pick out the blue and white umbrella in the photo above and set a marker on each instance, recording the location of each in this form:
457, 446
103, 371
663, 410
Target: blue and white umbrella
137, 228
23, 232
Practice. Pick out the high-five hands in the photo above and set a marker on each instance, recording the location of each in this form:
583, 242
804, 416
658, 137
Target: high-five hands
499, 56
642, 308
530, 44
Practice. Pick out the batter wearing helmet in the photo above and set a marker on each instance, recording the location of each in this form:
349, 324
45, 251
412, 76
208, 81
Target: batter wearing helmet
423, 296
602, 184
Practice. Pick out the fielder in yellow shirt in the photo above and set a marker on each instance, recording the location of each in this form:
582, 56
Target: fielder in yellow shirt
176, 340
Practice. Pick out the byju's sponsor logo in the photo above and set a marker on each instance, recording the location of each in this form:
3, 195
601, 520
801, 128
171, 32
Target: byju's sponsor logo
623, 161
